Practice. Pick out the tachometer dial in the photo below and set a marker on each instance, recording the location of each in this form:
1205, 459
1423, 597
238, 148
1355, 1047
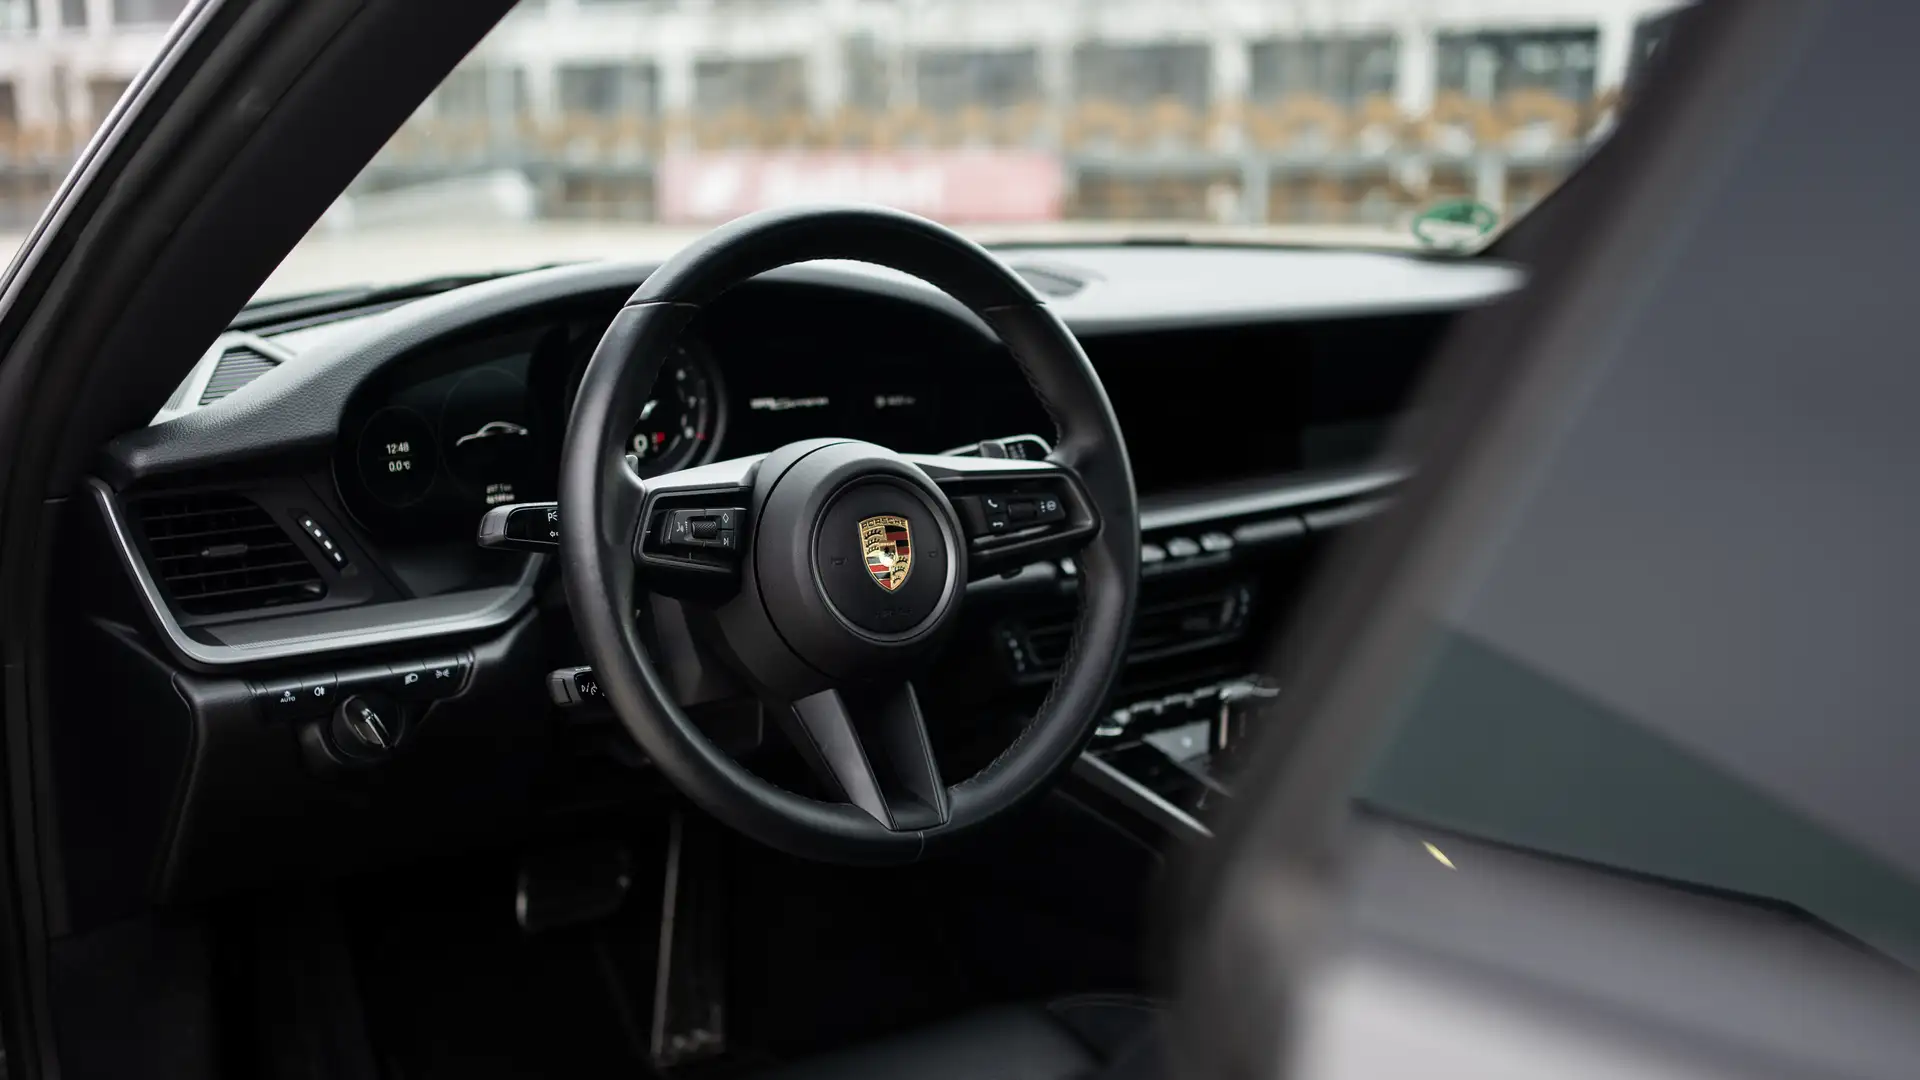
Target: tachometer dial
676, 424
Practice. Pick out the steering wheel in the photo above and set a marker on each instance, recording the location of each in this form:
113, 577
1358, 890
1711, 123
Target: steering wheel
828, 571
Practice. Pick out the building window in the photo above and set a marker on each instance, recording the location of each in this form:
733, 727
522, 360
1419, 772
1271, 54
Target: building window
1488, 66
869, 75
17, 16
478, 91
146, 12
775, 84
9, 107
609, 89
1345, 70
1142, 74
953, 79
73, 14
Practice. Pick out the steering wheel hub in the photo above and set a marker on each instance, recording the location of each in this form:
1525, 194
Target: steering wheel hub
865, 550
858, 563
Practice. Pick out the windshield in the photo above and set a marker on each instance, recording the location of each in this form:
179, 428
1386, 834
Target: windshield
583, 129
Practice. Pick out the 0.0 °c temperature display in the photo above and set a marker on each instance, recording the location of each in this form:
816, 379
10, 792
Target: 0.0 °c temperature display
397, 456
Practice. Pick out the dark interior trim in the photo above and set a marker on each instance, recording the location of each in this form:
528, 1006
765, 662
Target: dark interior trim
291, 637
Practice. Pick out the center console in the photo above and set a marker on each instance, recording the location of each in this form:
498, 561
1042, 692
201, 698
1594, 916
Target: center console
1174, 756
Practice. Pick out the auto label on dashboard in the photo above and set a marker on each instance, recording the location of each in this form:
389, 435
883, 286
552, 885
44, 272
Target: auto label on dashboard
887, 542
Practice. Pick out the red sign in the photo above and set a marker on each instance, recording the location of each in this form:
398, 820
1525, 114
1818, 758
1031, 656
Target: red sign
949, 185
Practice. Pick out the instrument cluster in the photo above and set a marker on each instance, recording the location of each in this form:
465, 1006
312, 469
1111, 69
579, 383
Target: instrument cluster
431, 443
435, 439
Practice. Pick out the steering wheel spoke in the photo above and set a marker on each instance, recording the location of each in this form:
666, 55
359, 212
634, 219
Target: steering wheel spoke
693, 528
1015, 512
869, 745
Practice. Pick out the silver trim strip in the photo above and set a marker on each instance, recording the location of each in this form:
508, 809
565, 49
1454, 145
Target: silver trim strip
1125, 788
1290, 497
494, 608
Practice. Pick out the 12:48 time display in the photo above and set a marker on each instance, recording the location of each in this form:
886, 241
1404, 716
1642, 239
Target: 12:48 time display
396, 456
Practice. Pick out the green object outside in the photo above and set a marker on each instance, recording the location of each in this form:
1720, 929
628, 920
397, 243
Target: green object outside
1455, 224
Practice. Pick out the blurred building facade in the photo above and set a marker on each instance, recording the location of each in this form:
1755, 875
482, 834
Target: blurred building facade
1224, 111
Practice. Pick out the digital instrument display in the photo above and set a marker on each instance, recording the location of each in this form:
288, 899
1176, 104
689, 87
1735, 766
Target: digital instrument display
397, 456
431, 443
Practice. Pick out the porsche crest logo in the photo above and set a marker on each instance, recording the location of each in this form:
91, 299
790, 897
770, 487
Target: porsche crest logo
887, 543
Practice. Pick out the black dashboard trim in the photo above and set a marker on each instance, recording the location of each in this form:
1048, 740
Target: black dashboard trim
304, 637
1175, 510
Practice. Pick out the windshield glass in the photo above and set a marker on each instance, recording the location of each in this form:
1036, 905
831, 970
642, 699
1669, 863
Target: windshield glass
620, 128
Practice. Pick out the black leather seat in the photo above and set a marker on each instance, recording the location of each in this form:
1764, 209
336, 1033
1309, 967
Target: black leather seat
1106, 1036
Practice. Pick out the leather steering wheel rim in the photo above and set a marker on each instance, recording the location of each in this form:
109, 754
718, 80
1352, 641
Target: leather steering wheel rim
598, 545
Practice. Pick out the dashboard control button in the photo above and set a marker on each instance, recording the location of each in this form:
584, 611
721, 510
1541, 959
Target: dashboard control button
984, 515
318, 692
318, 534
1024, 447
1216, 542
573, 686
443, 675
537, 522
1021, 512
1047, 510
533, 526
709, 527
586, 687
361, 731
1182, 547
409, 680
281, 698
1151, 554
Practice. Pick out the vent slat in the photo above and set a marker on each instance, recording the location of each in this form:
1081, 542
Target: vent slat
254, 550
250, 568
269, 534
254, 562
236, 368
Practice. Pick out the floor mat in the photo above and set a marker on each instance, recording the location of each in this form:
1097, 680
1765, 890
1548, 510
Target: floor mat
454, 988
814, 956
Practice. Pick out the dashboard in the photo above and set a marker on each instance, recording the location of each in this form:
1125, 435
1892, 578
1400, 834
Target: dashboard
298, 524
433, 440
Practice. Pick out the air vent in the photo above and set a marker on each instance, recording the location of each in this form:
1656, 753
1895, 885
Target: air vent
237, 367
218, 552
1158, 630
1051, 280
